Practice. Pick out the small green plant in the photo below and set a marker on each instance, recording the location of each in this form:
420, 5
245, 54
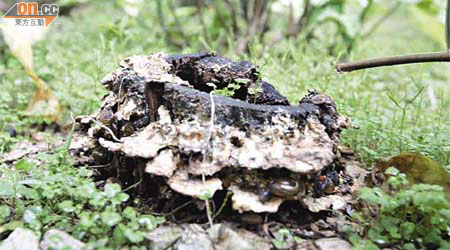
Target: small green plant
284, 239
416, 216
230, 89
57, 195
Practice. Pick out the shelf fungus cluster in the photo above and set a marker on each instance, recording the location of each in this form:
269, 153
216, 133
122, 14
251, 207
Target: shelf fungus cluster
164, 122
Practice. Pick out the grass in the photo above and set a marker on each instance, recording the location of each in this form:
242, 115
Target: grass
80, 50
393, 110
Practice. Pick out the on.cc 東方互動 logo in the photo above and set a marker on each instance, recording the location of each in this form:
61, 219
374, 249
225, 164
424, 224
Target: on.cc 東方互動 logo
33, 14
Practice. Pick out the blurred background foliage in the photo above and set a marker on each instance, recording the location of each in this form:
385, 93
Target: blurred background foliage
296, 43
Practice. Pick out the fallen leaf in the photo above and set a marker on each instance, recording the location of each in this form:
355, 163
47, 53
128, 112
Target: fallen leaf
20, 40
418, 169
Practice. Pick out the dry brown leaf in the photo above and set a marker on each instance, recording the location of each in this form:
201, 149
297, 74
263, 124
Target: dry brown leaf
20, 40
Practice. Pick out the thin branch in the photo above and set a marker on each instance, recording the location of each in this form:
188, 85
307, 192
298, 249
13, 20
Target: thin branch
132, 186
99, 166
394, 60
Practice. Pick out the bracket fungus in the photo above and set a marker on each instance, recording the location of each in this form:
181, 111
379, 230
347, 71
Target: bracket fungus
162, 119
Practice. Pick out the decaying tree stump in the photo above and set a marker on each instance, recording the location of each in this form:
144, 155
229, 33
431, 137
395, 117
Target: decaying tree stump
164, 135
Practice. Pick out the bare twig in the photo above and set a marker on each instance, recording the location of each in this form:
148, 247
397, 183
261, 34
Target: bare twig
395, 60
99, 166
175, 210
180, 207
132, 186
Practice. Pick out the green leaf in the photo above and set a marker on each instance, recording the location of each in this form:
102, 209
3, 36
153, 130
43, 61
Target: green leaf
4, 213
280, 244
205, 196
28, 193
121, 197
118, 234
31, 216
98, 200
133, 236
160, 219
392, 171
284, 232
111, 218
11, 226
87, 190
24, 165
446, 213
129, 213
148, 221
409, 246
408, 229
66, 206
6, 189
373, 195
375, 235
86, 220
112, 189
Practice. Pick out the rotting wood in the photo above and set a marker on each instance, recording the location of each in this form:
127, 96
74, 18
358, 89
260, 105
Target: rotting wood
256, 140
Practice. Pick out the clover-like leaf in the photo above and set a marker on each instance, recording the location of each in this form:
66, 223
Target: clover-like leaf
110, 218
112, 189
6, 189
66, 206
129, 213
133, 236
148, 221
